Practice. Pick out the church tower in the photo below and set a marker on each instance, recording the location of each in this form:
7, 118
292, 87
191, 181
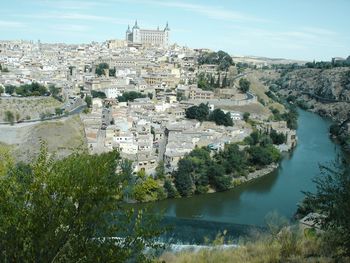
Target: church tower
136, 33
127, 34
166, 34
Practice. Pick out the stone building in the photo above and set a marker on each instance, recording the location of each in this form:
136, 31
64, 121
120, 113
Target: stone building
148, 37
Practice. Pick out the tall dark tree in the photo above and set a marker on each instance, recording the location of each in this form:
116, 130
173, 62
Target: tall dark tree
244, 85
183, 180
221, 118
200, 112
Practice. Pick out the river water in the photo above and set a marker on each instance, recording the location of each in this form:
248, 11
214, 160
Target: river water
278, 192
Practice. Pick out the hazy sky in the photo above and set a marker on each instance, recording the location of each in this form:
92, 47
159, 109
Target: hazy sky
298, 29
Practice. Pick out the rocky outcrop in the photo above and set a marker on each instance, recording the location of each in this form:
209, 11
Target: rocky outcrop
323, 91
330, 84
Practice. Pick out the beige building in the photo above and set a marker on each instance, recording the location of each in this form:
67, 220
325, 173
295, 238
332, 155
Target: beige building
199, 94
148, 37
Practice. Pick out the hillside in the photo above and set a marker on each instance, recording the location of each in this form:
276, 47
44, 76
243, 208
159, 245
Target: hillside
62, 136
323, 91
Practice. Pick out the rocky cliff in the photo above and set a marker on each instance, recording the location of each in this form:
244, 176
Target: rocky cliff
324, 91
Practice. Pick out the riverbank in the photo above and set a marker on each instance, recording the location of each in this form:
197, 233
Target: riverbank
280, 191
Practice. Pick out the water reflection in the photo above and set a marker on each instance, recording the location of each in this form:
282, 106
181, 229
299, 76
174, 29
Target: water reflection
280, 190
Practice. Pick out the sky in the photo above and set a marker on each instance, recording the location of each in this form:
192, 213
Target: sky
294, 29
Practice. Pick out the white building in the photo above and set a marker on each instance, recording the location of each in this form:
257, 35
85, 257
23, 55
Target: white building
112, 92
148, 37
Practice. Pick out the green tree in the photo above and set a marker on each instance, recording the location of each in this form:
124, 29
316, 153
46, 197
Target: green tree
170, 189
147, 189
53, 90
88, 101
277, 138
331, 200
217, 84
98, 94
130, 96
9, 89
217, 177
58, 111
233, 160
200, 112
224, 81
261, 156
2, 90
246, 116
244, 85
221, 118
182, 178
100, 69
9, 117
160, 171
67, 210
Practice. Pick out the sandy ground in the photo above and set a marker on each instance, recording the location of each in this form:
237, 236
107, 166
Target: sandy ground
62, 136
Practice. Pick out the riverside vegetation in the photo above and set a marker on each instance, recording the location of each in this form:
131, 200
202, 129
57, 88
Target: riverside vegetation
68, 211
203, 171
283, 242
65, 210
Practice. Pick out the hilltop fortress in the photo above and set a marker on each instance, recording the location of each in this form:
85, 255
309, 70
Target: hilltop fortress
147, 37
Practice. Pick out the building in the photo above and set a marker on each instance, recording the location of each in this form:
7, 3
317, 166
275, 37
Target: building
148, 37
199, 94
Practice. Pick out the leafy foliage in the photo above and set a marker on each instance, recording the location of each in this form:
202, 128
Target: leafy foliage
170, 189
100, 69
88, 101
199, 171
98, 94
277, 138
221, 118
67, 211
130, 96
10, 89
200, 112
220, 58
331, 199
9, 117
34, 89
244, 85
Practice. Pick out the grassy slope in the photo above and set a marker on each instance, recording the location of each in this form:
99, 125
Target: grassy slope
259, 89
63, 137
287, 246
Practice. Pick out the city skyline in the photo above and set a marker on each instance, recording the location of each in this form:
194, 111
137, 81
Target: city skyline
312, 30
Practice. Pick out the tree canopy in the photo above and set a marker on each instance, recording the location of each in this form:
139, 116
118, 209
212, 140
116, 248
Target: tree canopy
130, 96
221, 118
331, 200
100, 69
244, 85
69, 211
220, 58
199, 171
200, 112
98, 94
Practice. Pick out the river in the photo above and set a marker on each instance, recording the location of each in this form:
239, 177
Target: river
278, 192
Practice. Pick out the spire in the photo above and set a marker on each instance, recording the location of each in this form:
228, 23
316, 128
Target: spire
136, 25
167, 27
128, 31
